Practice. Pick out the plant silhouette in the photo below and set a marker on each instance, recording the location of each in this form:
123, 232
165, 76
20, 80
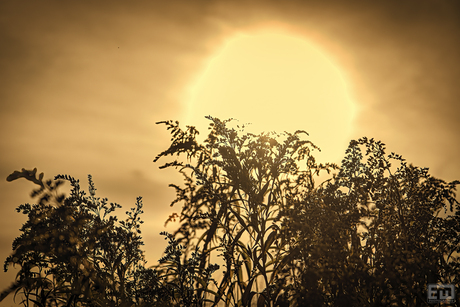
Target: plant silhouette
257, 227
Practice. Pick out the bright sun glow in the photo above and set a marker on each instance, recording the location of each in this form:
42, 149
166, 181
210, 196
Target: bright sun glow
278, 83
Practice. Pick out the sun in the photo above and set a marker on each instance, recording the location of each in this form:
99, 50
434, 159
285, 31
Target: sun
277, 82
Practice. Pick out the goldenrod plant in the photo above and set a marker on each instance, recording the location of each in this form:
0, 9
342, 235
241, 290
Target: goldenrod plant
261, 223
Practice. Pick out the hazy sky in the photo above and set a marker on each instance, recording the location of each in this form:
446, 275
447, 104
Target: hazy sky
83, 83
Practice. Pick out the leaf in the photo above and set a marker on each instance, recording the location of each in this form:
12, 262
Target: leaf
29, 175
261, 300
248, 293
270, 239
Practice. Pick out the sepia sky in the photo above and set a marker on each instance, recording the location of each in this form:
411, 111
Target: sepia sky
82, 84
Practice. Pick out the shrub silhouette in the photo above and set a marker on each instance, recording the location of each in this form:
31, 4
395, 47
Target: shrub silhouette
374, 233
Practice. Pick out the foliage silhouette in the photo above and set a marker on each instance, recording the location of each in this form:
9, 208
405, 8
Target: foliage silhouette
74, 252
375, 232
232, 200
352, 251
287, 241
